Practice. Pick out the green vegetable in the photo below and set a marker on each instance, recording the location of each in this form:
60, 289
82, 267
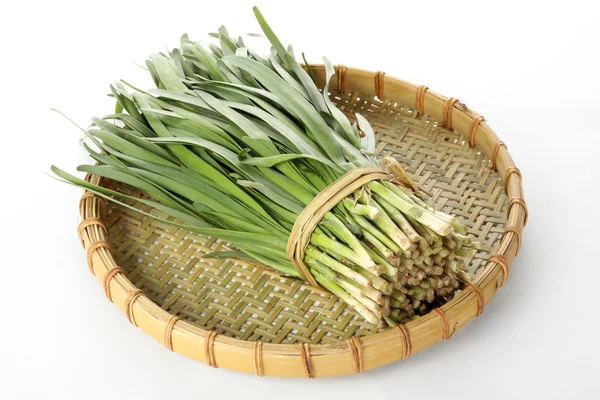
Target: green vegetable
234, 145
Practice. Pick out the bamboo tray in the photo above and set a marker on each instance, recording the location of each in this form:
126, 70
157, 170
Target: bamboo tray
236, 315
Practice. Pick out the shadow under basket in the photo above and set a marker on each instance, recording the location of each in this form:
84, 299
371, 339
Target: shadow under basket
236, 315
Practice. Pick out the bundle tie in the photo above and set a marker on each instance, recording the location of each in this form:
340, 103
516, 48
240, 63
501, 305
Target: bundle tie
400, 174
327, 199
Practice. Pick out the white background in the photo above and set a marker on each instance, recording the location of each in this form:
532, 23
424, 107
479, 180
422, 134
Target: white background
531, 68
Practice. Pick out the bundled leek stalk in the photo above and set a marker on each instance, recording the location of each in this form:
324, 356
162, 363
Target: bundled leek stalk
235, 145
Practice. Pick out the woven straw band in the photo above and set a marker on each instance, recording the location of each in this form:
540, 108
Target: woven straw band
448, 106
306, 362
101, 244
406, 343
508, 173
341, 78
379, 84
420, 102
495, 152
479, 296
476, 122
90, 195
110, 274
514, 230
312, 214
132, 296
400, 174
355, 347
521, 201
258, 362
169, 331
209, 349
90, 222
503, 262
446, 334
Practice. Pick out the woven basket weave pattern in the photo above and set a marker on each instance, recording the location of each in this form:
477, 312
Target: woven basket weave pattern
236, 315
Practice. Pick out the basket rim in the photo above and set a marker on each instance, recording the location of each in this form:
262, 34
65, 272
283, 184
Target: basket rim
358, 353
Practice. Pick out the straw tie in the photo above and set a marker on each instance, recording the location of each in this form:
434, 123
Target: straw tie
445, 325
108, 278
132, 296
448, 106
328, 198
312, 214
479, 296
406, 343
101, 244
495, 152
169, 331
400, 174
379, 84
209, 349
476, 122
503, 262
257, 357
508, 173
521, 202
420, 102
513, 229
306, 361
341, 78
90, 222
89, 195
355, 347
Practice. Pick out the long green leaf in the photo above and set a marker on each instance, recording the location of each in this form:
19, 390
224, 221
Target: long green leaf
129, 148
302, 143
339, 116
231, 158
274, 160
196, 163
166, 73
295, 104
270, 35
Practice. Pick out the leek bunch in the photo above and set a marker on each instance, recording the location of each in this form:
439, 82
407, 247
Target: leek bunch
235, 144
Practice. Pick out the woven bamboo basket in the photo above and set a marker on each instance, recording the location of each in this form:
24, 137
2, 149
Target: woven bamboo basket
236, 315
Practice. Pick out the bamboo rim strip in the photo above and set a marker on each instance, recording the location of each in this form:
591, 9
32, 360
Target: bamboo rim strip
328, 359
